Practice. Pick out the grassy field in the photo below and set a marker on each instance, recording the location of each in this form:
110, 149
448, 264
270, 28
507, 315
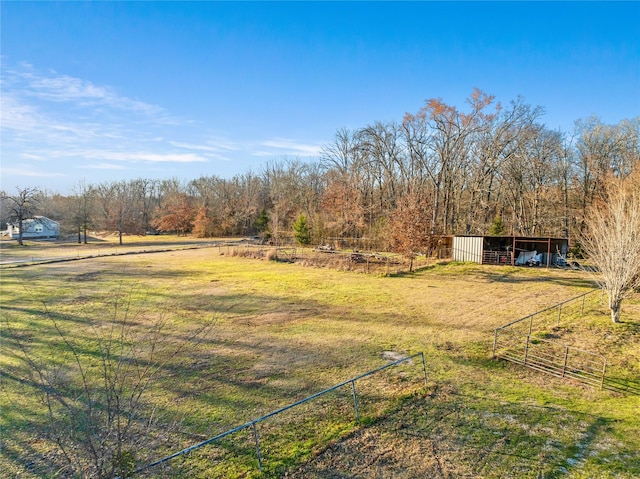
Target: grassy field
100, 245
280, 332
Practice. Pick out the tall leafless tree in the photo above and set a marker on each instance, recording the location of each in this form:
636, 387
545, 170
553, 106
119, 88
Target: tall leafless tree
612, 239
469, 164
409, 227
122, 207
22, 206
83, 207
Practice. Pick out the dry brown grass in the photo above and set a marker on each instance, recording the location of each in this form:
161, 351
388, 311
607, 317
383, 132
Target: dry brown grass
285, 331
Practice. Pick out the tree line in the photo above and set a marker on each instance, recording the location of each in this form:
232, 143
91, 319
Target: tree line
484, 168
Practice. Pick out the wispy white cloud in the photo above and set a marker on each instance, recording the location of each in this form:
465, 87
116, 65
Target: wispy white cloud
52, 109
104, 166
66, 88
126, 156
152, 157
30, 171
213, 148
33, 156
57, 122
218, 149
34, 124
17, 115
64, 121
56, 87
287, 146
216, 156
264, 153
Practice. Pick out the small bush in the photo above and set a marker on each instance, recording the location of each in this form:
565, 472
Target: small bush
576, 251
272, 254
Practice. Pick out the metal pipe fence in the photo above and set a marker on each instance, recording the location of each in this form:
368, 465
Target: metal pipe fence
554, 358
253, 424
368, 261
516, 342
551, 316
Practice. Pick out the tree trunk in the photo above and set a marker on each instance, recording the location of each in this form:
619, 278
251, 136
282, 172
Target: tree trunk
436, 207
20, 232
536, 207
614, 306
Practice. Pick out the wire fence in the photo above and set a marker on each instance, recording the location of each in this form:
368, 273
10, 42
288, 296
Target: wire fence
518, 342
552, 316
369, 261
325, 413
554, 358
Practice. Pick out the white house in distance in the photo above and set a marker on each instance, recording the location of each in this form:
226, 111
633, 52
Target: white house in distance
38, 227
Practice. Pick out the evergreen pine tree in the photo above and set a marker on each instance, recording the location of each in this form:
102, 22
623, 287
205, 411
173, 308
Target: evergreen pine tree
262, 224
497, 227
302, 232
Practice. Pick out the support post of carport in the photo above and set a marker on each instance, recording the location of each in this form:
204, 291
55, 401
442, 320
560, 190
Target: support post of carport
548, 251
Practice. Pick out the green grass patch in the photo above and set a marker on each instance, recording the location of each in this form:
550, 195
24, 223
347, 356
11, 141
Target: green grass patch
283, 331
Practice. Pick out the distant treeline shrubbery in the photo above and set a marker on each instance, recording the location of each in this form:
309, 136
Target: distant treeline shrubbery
490, 168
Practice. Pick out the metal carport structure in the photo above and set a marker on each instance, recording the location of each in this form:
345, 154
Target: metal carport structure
505, 249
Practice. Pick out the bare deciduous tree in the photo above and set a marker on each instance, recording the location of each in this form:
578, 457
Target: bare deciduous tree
283, 180
409, 227
22, 206
176, 214
612, 239
82, 208
121, 206
470, 164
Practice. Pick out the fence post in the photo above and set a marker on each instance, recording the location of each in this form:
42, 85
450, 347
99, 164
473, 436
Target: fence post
424, 369
526, 351
604, 369
559, 313
255, 437
566, 357
355, 400
495, 342
530, 323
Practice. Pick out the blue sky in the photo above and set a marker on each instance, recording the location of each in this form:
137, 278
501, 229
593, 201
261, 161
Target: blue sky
121, 90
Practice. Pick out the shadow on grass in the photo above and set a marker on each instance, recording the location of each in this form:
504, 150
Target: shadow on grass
449, 434
499, 274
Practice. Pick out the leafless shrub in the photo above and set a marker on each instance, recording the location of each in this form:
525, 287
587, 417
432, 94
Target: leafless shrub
271, 254
95, 395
